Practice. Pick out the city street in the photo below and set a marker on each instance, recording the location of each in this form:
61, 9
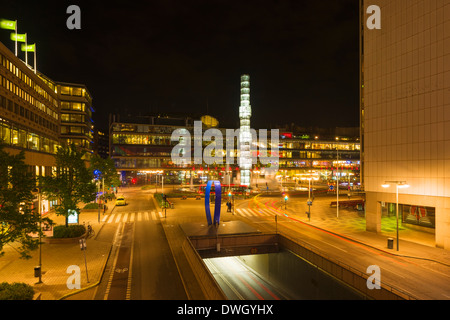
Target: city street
141, 265
338, 238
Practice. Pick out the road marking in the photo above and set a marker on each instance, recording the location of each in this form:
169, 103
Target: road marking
105, 217
160, 215
334, 246
111, 218
216, 272
265, 212
139, 217
118, 239
146, 216
125, 217
119, 216
128, 293
132, 215
245, 213
153, 215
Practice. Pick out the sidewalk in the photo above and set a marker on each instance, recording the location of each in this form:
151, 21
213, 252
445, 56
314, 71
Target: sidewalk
56, 258
351, 224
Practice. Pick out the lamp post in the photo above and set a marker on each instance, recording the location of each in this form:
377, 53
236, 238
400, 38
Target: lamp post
40, 231
398, 185
337, 182
309, 202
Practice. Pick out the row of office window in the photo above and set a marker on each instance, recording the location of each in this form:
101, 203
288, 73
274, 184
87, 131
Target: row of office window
30, 115
76, 106
74, 129
74, 91
69, 117
8, 65
26, 97
13, 135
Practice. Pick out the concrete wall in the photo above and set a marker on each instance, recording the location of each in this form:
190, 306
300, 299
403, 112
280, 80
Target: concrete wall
342, 272
207, 282
299, 279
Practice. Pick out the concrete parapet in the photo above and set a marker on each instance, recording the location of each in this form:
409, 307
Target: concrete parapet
210, 287
343, 272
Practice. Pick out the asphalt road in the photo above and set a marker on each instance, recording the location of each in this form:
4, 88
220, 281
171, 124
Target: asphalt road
239, 282
420, 278
141, 265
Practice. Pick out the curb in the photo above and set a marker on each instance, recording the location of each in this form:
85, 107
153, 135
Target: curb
102, 272
91, 285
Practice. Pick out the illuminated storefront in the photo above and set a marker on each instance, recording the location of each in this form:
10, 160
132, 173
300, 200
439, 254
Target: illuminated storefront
143, 144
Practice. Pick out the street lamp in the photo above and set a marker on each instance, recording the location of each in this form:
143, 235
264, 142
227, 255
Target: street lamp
398, 185
309, 202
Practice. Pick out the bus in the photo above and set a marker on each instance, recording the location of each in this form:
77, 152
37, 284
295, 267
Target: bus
235, 189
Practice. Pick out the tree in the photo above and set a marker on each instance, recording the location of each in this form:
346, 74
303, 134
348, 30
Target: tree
18, 221
106, 169
71, 183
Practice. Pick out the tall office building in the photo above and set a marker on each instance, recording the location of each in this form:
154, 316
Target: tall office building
29, 113
406, 115
37, 115
77, 126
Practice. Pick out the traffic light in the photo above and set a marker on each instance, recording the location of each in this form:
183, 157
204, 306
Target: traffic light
229, 194
133, 181
286, 198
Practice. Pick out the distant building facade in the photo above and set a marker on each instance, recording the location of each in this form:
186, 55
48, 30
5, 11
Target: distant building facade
141, 145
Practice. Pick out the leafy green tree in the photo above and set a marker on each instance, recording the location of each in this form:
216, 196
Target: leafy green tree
17, 220
71, 183
107, 170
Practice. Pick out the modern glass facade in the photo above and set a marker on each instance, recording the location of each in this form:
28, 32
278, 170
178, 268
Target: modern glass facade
139, 147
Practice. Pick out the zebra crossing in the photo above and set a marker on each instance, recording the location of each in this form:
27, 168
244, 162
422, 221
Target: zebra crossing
117, 217
256, 212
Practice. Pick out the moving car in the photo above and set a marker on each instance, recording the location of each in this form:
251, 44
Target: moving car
120, 201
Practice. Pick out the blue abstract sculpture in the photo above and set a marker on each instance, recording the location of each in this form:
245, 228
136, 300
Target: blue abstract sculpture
217, 201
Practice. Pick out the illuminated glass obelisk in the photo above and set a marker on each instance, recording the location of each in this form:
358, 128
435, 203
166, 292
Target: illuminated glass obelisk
245, 136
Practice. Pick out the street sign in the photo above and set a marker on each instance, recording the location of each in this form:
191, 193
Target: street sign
331, 188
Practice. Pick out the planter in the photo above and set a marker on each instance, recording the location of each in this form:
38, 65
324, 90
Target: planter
51, 240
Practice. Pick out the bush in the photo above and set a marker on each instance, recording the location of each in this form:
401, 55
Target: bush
92, 206
72, 231
16, 291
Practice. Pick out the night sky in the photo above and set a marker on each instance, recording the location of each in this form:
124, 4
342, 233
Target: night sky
187, 56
